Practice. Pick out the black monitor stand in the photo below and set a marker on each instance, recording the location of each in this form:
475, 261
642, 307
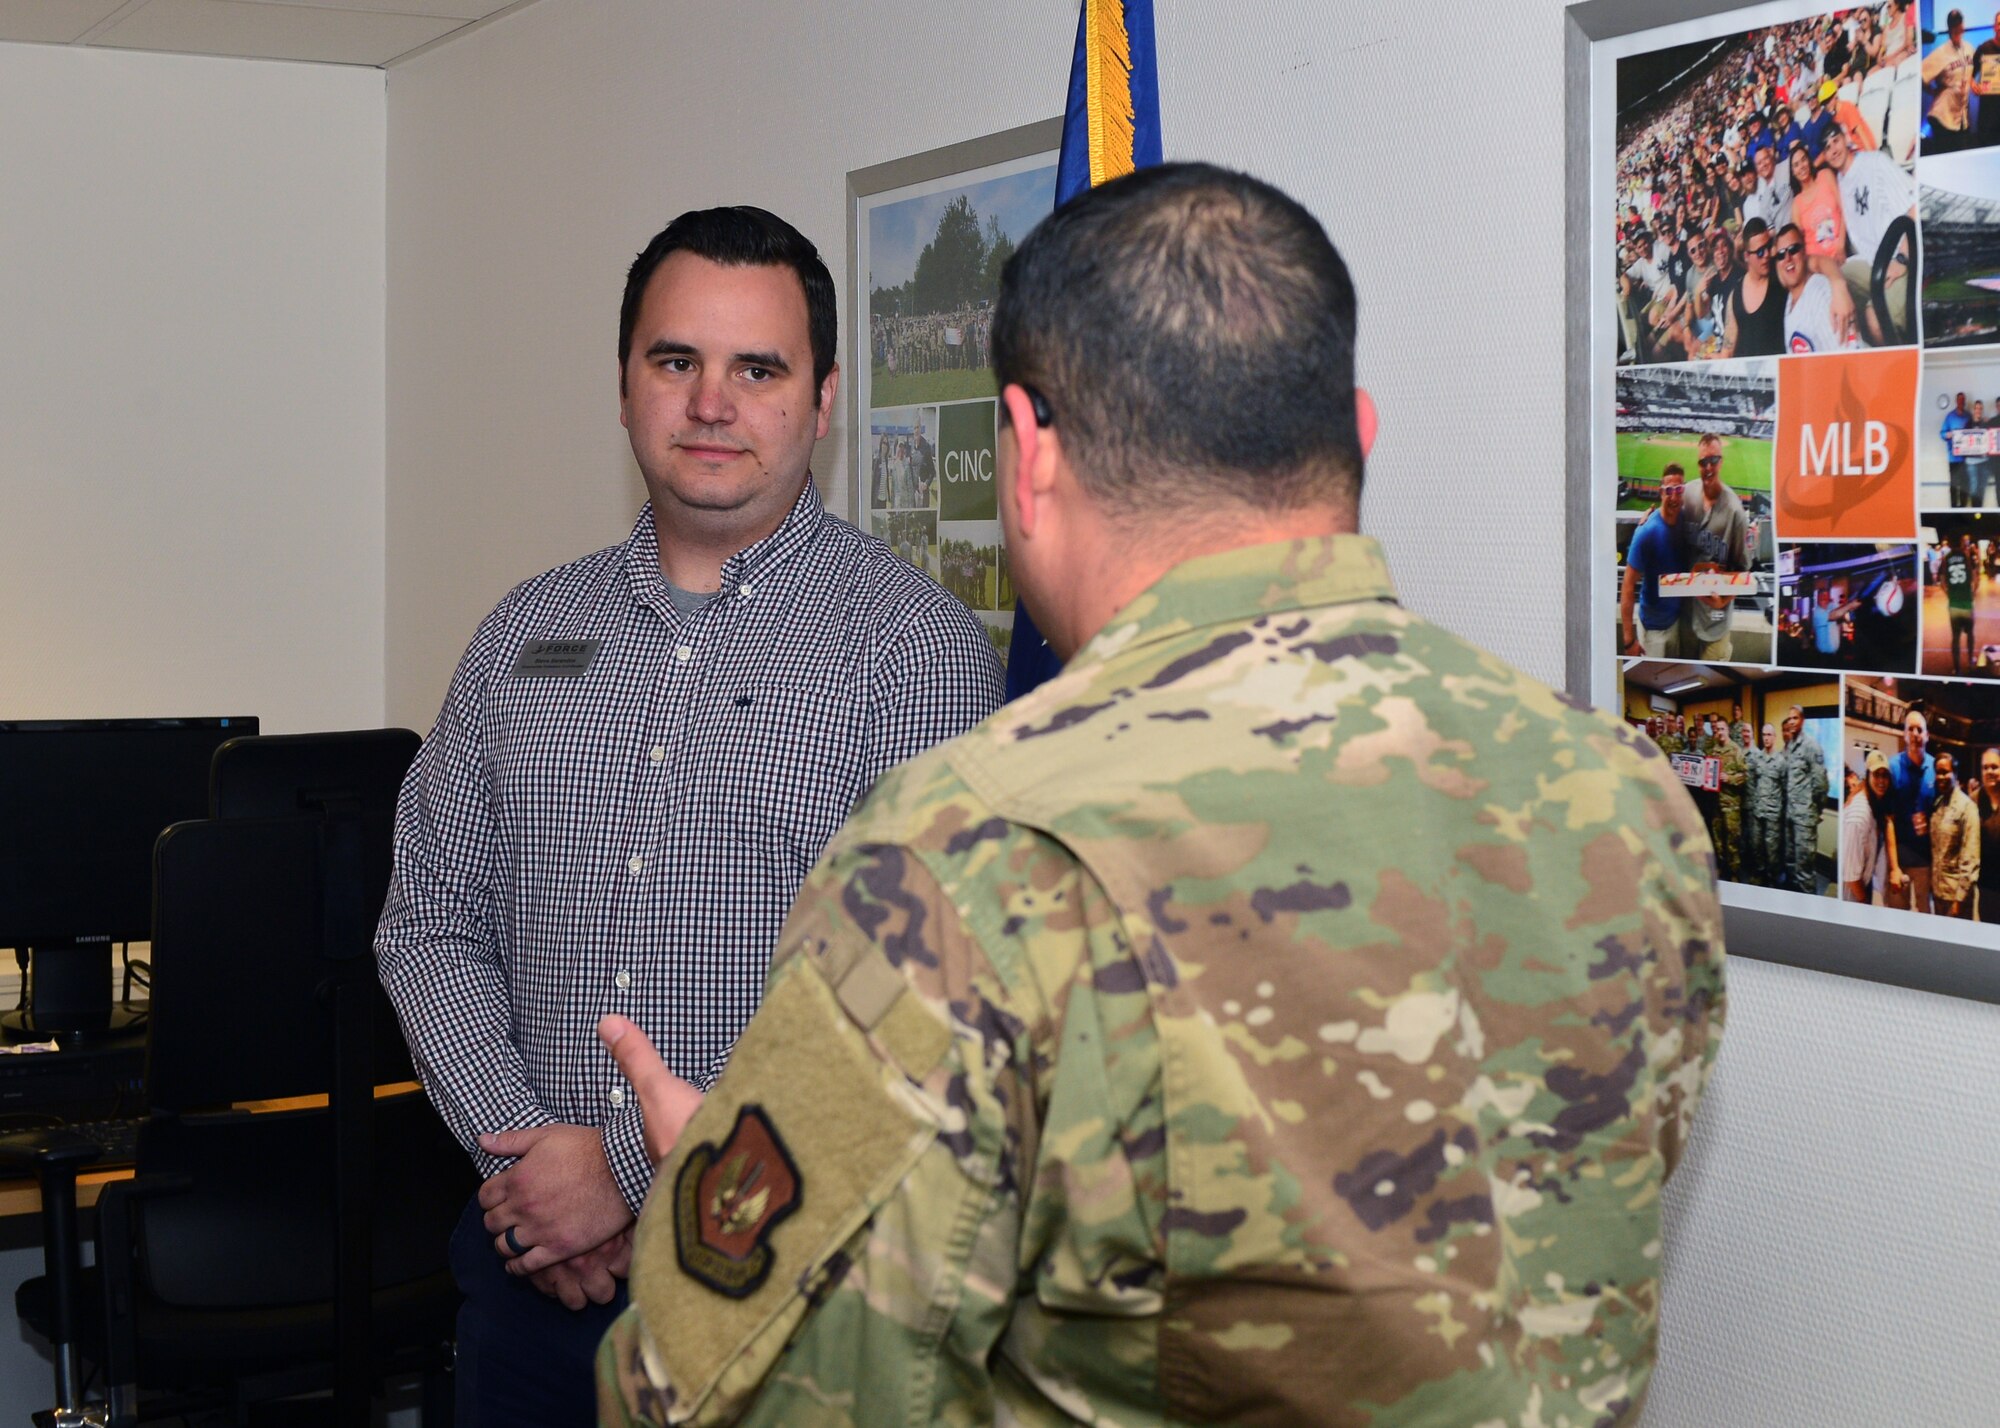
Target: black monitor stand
69, 999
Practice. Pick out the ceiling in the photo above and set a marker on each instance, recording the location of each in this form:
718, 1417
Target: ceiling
364, 32
1659, 676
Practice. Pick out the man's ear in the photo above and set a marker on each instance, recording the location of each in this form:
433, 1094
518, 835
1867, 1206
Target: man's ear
828, 390
1033, 450
1364, 419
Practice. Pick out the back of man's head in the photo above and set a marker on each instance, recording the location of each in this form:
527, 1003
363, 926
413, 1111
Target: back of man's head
739, 237
1192, 331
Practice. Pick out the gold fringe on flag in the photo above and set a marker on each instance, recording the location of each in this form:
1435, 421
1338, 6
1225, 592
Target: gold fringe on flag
1107, 55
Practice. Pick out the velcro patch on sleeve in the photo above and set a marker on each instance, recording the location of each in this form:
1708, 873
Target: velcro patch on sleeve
727, 1201
799, 1143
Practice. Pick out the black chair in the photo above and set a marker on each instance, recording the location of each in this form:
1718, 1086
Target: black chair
261, 1255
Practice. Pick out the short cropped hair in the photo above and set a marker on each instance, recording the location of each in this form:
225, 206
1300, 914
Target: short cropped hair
1192, 330
739, 237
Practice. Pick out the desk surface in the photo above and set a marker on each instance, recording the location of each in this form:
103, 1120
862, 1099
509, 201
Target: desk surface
22, 1197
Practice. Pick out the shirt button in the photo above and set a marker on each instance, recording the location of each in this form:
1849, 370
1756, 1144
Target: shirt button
634, 863
744, 591
659, 753
617, 1095
623, 979
684, 653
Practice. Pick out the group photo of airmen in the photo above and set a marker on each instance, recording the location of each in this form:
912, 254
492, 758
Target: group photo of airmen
1752, 747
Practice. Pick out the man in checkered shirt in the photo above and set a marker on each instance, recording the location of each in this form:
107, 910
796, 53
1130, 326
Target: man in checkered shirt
640, 756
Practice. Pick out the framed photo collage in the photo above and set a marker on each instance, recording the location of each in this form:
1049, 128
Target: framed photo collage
1800, 600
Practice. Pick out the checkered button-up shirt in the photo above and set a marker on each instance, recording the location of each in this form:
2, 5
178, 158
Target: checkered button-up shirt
629, 837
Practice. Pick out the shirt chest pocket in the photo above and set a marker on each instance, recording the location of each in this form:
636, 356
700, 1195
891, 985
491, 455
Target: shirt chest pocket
777, 763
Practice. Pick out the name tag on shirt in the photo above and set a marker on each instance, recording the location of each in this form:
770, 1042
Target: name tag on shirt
555, 659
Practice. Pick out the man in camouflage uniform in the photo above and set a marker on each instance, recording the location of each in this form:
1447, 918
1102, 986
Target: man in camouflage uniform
1735, 774
1805, 785
1673, 742
1701, 741
1289, 1014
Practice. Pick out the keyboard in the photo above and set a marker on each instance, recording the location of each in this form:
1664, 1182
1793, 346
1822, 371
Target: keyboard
117, 1139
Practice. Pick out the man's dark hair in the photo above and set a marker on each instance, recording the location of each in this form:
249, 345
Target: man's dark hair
739, 237
1193, 332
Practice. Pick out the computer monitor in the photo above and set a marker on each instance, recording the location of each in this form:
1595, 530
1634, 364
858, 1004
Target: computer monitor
282, 775
82, 802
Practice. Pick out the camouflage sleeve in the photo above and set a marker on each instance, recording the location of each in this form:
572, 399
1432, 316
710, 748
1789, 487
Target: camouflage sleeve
835, 1239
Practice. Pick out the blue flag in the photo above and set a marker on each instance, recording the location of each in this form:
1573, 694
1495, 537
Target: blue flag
1111, 126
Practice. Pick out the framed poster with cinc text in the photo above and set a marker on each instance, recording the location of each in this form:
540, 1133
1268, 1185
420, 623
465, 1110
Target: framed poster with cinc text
928, 236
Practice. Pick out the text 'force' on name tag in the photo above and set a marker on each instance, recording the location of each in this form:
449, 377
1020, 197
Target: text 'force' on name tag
555, 659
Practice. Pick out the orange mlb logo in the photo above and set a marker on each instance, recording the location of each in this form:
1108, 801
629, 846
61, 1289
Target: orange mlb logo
1846, 460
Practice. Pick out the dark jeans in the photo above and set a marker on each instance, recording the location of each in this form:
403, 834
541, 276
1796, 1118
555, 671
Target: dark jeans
523, 1359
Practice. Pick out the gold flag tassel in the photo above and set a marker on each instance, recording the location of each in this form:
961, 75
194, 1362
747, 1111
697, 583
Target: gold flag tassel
1108, 71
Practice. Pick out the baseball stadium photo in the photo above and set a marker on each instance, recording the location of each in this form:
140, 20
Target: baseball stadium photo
1922, 778
1754, 747
1704, 593
1958, 205
1663, 412
1848, 605
1961, 604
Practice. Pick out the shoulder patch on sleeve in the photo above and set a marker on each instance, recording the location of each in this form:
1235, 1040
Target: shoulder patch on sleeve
829, 1131
727, 1201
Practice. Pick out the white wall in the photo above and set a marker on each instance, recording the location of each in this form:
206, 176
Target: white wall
191, 388
531, 160
1833, 1260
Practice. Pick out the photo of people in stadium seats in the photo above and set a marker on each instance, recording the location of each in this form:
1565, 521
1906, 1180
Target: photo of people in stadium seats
1754, 748
1961, 604
1848, 605
1920, 804
1958, 422
1960, 203
1765, 200
1695, 547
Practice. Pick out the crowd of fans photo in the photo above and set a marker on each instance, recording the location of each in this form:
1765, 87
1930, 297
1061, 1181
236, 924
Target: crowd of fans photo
1758, 193
955, 341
